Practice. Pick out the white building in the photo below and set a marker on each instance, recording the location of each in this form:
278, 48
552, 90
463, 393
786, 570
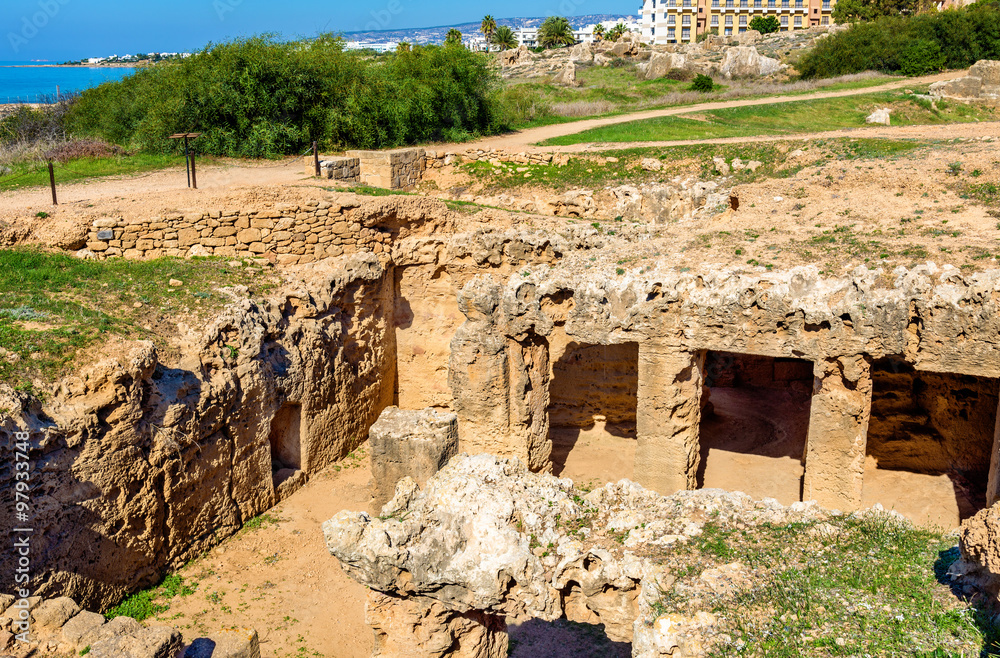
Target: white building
379, 47
528, 36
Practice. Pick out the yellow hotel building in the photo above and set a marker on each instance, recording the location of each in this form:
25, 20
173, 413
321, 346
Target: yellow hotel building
681, 21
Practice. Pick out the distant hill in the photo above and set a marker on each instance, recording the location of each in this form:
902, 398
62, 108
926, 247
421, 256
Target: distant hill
437, 34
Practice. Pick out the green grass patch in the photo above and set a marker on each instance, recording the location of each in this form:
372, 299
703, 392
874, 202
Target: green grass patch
868, 585
53, 305
368, 190
778, 119
32, 174
150, 602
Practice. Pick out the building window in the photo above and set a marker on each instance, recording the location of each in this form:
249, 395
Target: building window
715, 21
729, 20
798, 4
784, 3
671, 19
758, 3
686, 19
652, 31
715, 3
798, 21
784, 21
743, 20
825, 21
687, 3
826, 6
729, 31
744, 3
729, 3
685, 33
671, 35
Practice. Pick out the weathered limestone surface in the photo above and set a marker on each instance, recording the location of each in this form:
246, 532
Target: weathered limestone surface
838, 427
936, 320
394, 170
403, 443
148, 465
982, 83
667, 417
470, 547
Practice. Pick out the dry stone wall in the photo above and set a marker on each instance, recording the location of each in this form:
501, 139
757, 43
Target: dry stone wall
394, 170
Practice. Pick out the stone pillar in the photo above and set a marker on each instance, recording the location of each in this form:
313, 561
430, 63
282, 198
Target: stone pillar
422, 627
838, 432
668, 417
409, 443
993, 487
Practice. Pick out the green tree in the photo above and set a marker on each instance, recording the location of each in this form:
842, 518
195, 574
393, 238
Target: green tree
702, 83
453, 38
853, 11
505, 38
403, 47
617, 32
555, 32
765, 24
599, 32
488, 27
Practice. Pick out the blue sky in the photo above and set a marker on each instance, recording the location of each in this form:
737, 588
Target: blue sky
72, 29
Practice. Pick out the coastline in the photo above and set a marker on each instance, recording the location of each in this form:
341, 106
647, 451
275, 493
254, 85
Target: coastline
76, 66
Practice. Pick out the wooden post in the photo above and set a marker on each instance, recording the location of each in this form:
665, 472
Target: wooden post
187, 160
194, 175
52, 182
316, 158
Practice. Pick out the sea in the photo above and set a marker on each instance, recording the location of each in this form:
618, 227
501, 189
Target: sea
24, 82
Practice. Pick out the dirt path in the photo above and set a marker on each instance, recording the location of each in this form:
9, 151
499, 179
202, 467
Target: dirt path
526, 138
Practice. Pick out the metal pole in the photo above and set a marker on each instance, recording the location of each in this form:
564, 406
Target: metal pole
316, 157
187, 160
194, 175
52, 182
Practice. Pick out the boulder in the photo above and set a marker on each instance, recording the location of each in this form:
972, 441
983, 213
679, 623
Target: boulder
880, 117
660, 64
567, 76
581, 53
519, 55
53, 613
746, 62
721, 166
748, 38
983, 82
148, 642
651, 164
114, 628
415, 444
239, 643
81, 625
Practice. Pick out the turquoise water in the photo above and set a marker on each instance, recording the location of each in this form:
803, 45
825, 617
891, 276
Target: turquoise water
37, 84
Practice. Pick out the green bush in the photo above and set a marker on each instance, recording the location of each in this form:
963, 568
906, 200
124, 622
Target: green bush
702, 83
765, 24
911, 45
257, 97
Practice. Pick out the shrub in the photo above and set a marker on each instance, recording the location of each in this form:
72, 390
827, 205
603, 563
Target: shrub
702, 83
257, 97
953, 39
684, 75
765, 24
704, 35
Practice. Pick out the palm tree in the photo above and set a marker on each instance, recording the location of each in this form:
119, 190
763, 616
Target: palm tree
403, 47
488, 27
555, 32
505, 38
616, 32
454, 37
599, 32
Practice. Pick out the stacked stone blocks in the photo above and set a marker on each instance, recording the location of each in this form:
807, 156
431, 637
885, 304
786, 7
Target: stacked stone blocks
395, 170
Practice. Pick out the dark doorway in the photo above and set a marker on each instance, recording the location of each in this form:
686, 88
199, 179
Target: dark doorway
929, 443
754, 425
286, 442
592, 405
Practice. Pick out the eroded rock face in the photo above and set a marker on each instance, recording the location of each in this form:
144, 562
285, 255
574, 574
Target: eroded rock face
982, 83
148, 465
746, 62
487, 536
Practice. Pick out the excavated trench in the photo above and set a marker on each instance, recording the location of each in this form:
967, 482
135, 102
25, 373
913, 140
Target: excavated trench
781, 385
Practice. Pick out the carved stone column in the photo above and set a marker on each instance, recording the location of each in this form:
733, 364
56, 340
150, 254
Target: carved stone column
838, 432
668, 417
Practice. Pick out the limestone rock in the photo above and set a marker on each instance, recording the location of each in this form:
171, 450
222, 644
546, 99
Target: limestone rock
880, 116
147, 642
519, 55
651, 164
581, 53
746, 62
80, 626
982, 83
239, 643
115, 628
567, 76
721, 165
53, 613
660, 64
415, 444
